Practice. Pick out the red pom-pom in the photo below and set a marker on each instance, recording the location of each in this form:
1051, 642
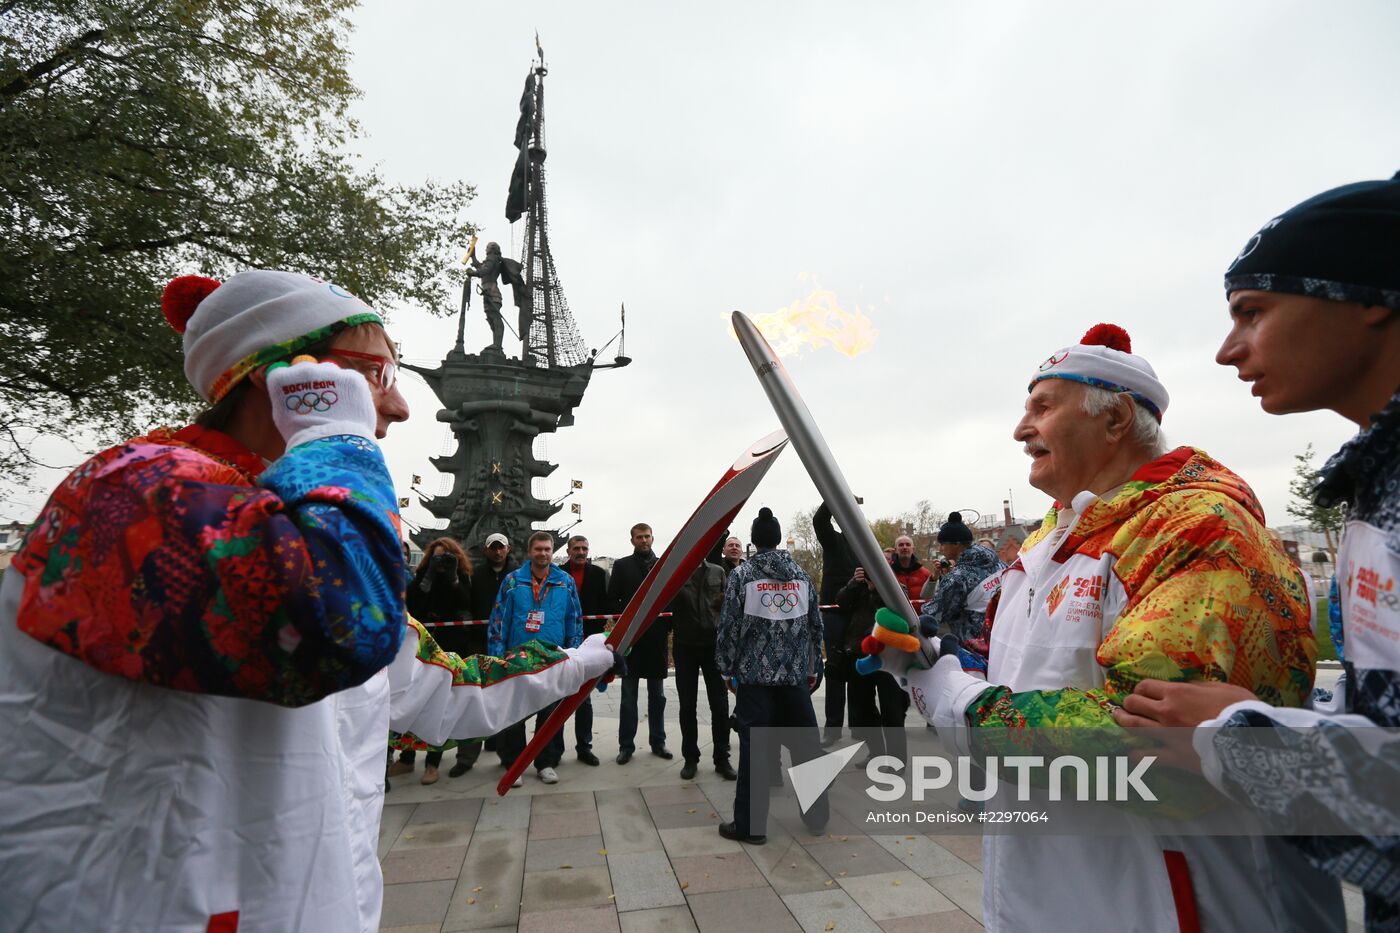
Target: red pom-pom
1108, 335
182, 296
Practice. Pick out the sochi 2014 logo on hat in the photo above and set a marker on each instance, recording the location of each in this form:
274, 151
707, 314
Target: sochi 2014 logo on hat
1054, 360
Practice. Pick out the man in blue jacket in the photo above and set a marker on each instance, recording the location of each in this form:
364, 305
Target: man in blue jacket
769, 639
538, 602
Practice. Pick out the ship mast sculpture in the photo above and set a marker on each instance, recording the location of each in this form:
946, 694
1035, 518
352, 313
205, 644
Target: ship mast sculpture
498, 405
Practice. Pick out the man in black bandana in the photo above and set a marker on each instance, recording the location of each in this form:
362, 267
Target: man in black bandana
1315, 311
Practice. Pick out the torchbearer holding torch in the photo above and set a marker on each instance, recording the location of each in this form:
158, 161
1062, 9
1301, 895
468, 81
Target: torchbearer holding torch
203, 642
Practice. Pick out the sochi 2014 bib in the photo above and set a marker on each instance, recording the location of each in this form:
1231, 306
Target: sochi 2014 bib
776, 599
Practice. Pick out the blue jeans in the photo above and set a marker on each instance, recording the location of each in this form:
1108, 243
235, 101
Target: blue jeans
781, 707
656, 712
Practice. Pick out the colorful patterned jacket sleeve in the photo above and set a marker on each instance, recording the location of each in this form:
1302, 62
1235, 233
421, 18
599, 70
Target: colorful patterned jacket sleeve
155, 562
1205, 603
437, 696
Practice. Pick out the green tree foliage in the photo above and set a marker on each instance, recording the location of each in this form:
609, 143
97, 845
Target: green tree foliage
1326, 521
141, 140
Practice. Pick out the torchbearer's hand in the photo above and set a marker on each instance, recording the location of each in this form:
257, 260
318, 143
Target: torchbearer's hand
1167, 703
890, 647
598, 658
312, 400
942, 695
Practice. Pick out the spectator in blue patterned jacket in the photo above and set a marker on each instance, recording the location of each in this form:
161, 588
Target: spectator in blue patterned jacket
769, 640
959, 603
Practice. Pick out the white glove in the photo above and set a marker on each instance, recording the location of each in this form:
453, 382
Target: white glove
312, 400
596, 655
942, 694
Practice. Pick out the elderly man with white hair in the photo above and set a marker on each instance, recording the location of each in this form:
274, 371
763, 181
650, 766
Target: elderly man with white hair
1151, 563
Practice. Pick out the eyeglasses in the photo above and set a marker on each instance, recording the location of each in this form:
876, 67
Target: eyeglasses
386, 371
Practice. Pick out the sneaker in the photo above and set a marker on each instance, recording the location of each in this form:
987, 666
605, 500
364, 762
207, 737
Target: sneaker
459, 769
587, 757
830, 737
400, 767
519, 782
430, 775
549, 776
688, 772
725, 770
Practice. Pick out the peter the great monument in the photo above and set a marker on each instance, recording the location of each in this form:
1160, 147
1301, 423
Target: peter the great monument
496, 404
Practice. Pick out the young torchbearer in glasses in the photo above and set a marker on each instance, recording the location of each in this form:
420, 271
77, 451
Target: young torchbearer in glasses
203, 642
1314, 301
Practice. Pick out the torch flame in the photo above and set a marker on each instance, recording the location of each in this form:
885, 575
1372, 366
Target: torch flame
814, 322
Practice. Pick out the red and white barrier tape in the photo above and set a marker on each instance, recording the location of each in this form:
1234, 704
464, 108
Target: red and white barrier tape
594, 618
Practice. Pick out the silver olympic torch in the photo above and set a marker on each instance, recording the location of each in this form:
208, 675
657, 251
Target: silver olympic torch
826, 475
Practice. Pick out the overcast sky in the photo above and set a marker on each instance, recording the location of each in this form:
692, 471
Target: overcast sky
984, 181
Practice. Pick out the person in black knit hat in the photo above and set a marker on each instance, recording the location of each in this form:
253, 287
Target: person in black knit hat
959, 605
1315, 324
769, 639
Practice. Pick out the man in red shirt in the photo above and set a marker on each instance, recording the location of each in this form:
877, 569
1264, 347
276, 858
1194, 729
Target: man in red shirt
907, 570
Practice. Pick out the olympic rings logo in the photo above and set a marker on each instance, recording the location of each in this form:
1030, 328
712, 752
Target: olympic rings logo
783, 602
307, 402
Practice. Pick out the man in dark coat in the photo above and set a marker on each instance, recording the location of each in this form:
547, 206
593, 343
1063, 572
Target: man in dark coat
838, 564
647, 660
592, 584
486, 584
694, 614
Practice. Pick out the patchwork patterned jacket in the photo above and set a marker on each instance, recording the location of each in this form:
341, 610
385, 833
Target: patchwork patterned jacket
1340, 764
1170, 577
178, 560
770, 630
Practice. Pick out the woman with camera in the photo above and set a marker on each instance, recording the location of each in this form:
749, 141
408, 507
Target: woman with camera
441, 591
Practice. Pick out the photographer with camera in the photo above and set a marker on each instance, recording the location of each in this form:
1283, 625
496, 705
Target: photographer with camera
441, 591
958, 605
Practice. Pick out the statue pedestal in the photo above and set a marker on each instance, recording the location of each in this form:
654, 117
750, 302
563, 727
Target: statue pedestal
496, 407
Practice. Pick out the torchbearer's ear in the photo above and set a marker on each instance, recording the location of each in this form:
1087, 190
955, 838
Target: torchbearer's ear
1121, 417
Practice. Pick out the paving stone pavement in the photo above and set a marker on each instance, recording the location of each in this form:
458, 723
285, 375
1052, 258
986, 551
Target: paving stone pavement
634, 849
